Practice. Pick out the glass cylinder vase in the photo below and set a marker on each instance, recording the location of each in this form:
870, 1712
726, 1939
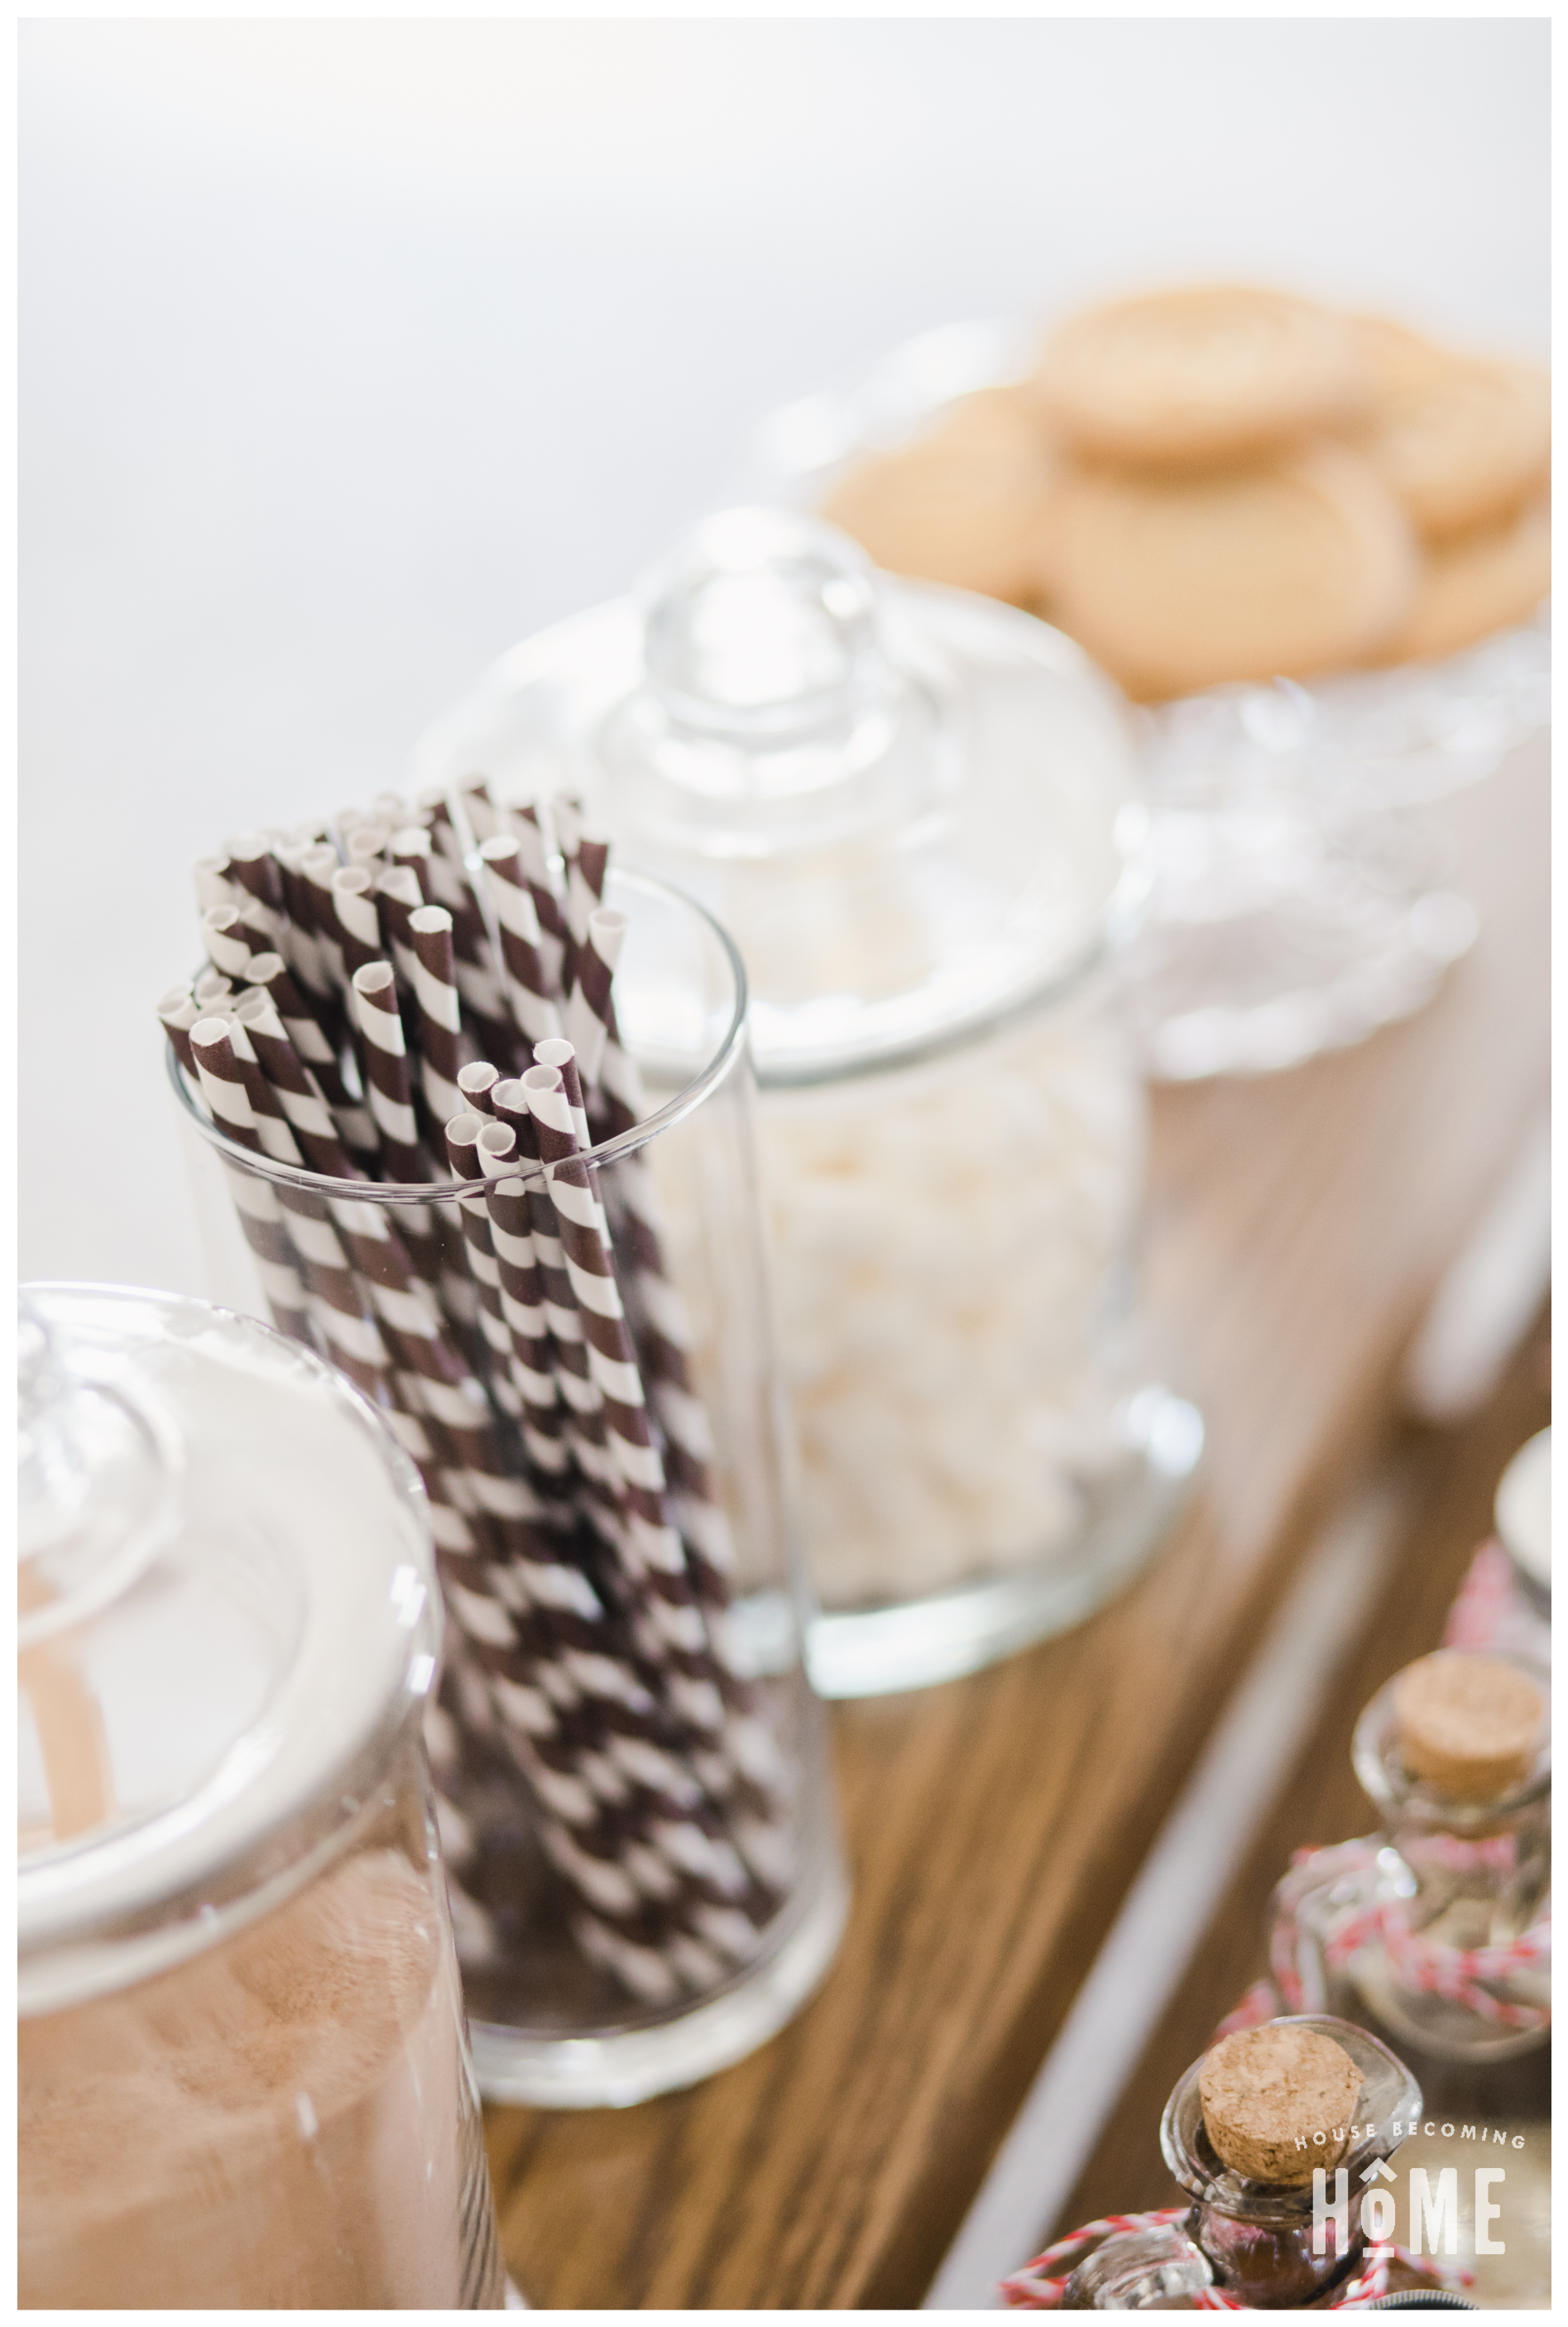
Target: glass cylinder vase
629, 1762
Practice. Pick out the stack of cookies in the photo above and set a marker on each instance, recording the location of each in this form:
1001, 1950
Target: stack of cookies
1219, 484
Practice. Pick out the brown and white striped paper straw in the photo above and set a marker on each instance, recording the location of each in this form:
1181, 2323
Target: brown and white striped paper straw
446, 1387
179, 1011
209, 878
318, 865
387, 1067
567, 816
359, 932
612, 1368
659, 1849
223, 1086
226, 939
410, 849
375, 1246
462, 1139
537, 872
473, 796
479, 979
562, 1055
338, 1304
299, 1094
440, 1009
476, 1081
708, 1547
590, 1011
398, 897
391, 1094
355, 1122
302, 948
583, 1415
665, 1339
251, 864
517, 924
521, 1303
212, 990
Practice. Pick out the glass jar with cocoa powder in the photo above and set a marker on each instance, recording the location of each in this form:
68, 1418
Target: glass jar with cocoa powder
244, 2078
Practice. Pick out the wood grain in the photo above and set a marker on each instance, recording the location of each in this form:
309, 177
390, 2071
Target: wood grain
1296, 1228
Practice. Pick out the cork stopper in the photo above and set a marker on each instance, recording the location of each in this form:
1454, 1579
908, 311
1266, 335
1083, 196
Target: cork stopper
1267, 2091
1469, 1724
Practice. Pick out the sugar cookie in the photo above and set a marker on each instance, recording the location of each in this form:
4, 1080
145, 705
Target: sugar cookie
962, 505
1477, 583
1199, 376
1462, 442
1177, 582
1395, 358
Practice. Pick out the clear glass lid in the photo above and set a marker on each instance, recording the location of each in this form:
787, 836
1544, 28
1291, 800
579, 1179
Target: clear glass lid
913, 809
225, 1602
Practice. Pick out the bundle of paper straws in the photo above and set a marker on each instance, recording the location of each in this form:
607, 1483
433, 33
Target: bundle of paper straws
419, 996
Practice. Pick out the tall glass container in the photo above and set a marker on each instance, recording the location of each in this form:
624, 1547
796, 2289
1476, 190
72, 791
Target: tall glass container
243, 2081
631, 1773
915, 810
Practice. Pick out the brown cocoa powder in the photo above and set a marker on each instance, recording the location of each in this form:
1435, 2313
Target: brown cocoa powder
274, 2125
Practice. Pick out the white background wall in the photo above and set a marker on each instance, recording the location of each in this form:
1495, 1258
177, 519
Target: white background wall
353, 351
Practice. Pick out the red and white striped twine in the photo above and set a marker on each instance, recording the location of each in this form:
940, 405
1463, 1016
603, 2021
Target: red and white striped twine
1041, 2285
1463, 1976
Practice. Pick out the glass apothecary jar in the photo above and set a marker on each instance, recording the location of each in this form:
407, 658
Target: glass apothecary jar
1436, 1928
915, 811
1281, 2245
629, 1761
1319, 2237
244, 2081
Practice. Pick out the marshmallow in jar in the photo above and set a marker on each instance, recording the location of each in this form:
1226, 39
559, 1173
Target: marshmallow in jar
243, 2072
914, 810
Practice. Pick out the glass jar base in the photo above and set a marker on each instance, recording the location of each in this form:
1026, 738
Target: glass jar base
625, 2066
876, 1651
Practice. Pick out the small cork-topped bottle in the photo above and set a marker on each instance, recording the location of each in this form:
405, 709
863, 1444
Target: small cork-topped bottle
1269, 2135
1436, 1929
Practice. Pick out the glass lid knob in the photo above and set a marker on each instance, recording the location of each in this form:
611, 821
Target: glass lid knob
97, 1487
763, 627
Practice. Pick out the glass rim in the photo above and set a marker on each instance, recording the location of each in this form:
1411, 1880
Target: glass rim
1395, 1791
675, 1109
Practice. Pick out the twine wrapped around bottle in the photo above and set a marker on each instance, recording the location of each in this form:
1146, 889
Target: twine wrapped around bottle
1041, 2285
1463, 1976
373, 1002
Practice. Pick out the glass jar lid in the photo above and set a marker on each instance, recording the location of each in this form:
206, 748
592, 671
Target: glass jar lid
914, 810
1401, 1799
226, 1608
